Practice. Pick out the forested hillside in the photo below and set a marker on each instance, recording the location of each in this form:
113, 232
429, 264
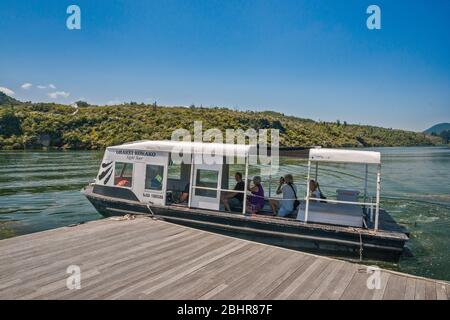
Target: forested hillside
37, 125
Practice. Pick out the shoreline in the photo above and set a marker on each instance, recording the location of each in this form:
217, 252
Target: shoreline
51, 149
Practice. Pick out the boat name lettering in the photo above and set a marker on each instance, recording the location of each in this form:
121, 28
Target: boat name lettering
136, 153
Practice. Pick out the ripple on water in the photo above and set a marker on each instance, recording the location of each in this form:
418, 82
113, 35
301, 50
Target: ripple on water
40, 190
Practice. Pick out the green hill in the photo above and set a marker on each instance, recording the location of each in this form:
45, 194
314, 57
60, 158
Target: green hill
34, 125
7, 100
438, 128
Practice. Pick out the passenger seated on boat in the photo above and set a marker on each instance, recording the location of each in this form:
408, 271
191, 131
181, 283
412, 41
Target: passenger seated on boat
185, 194
314, 190
285, 206
232, 201
123, 182
256, 200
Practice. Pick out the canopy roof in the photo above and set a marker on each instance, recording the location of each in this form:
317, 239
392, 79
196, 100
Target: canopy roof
243, 150
347, 156
189, 147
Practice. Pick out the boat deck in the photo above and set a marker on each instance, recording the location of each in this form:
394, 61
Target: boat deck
145, 258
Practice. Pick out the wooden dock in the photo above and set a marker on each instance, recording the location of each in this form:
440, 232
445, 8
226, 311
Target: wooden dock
150, 259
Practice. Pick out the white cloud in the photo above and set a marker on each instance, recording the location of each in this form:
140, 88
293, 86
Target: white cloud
57, 94
50, 86
26, 86
7, 91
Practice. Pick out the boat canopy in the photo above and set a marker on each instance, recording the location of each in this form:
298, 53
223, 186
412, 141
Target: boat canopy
206, 181
347, 156
367, 158
241, 150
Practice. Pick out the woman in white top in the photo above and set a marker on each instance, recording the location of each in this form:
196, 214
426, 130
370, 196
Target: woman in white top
285, 206
314, 191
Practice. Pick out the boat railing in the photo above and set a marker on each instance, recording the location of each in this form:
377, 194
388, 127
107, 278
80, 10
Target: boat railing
363, 191
370, 204
343, 202
217, 189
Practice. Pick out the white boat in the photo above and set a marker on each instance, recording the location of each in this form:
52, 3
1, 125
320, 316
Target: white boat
142, 178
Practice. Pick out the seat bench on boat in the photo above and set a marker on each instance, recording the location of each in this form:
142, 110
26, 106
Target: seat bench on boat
331, 213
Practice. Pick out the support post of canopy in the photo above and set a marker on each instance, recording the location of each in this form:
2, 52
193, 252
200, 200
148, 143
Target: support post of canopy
191, 180
365, 183
244, 202
270, 181
307, 191
317, 171
377, 204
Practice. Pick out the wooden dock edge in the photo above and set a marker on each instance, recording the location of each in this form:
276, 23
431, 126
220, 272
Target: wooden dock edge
314, 276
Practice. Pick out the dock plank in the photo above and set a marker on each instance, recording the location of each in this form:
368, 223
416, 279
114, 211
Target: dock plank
54, 266
396, 288
357, 288
338, 284
379, 292
245, 276
108, 269
441, 293
410, 290
151, 259
212, 278
420, 290
283, 285
430, 291
310, 284
277, 284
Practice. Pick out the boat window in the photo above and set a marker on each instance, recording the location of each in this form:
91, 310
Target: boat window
174, 171
154, 177
207, 179
123, 174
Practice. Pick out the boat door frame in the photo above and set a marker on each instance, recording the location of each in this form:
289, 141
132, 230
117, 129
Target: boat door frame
161, 161
219, 189
207, 200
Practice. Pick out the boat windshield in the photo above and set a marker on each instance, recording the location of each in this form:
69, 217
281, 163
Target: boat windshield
123, 174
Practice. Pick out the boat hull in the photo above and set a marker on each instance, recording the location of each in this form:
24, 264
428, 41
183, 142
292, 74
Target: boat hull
352, 243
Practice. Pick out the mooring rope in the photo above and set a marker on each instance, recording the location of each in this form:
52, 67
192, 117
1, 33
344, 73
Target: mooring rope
360, 247
151, 211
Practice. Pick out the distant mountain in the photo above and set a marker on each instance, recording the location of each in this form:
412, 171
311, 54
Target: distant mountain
438, 128
7, 100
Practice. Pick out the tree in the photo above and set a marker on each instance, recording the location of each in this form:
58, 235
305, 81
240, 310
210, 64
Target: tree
9, 123
82, 104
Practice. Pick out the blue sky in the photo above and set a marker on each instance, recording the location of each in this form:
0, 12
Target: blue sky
313, 59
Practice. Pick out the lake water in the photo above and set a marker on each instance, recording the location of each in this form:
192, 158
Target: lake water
40, 190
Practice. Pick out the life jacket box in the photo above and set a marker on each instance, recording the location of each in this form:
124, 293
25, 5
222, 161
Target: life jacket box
347, 195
